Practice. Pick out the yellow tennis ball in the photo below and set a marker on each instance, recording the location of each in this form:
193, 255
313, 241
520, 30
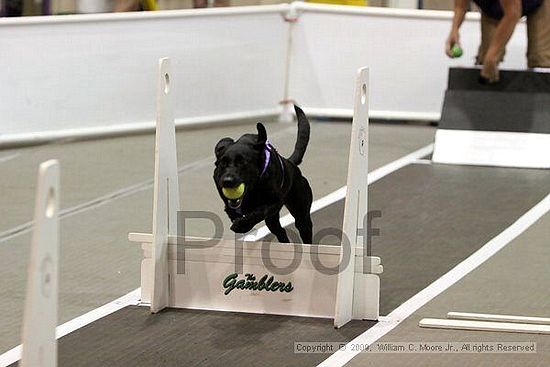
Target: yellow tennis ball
233, 193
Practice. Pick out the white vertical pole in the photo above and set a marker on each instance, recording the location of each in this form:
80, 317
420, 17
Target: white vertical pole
166, 189
287, 112
40, 318
356, 200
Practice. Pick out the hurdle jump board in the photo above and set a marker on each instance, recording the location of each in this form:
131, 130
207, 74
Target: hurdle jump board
506, 124
350, 290
206, 274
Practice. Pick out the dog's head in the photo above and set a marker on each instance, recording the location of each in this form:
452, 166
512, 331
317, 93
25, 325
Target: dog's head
239, 162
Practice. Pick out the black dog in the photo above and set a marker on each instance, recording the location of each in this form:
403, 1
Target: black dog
270, 181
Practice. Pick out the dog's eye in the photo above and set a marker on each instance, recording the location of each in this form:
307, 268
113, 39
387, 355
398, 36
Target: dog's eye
239, 160
223, 162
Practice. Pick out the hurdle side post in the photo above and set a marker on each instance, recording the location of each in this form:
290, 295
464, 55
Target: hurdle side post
166, 189
357, 295
40, 316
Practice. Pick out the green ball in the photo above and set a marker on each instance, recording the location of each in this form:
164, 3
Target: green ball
456, 51
234, 192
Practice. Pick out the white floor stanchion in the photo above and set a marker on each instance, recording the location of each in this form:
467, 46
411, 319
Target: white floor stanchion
275, 278
40, 318
357, 293
166, 189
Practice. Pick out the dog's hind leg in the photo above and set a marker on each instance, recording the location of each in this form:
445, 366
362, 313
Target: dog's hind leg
305, 226
299, 206
274, 225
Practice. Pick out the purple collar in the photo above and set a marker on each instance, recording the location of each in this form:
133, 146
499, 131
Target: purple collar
267, 153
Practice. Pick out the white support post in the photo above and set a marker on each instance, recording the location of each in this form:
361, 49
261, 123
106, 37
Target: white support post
366, 286
348, 304
287, 110
40, 318
166, 189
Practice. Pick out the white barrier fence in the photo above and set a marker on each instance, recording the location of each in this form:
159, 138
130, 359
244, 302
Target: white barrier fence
403, 49
93, 74
82, 75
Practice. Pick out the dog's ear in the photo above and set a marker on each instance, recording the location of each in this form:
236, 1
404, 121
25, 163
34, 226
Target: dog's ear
221, 146
262, 135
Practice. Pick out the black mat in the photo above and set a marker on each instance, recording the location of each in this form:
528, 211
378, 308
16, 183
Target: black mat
134, 337
496, 111
432, 218
519, 102
510, 81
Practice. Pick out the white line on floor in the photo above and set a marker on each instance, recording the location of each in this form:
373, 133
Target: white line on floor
102, 200
397, 316
132, 298
8, 157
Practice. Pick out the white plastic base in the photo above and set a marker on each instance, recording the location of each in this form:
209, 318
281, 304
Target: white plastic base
507, 327
499, 318
492, 148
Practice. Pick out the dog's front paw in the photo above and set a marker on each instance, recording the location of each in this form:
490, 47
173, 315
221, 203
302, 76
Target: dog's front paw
242, 225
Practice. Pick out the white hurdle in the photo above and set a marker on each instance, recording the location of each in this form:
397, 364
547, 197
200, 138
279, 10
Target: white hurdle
338, 282
40, 318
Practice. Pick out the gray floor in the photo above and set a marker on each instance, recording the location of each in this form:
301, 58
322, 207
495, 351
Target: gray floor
107, 192
134, 337
431, 222
513, 282
434, 216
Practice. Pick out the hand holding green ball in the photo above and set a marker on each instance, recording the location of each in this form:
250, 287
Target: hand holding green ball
456, 51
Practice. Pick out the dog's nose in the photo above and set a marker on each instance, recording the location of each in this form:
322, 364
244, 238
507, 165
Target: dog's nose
229, 181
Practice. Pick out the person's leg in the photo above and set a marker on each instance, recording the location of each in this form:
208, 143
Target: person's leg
126, 5
200, 3
13, 8
538, 34
488, 27
220, 3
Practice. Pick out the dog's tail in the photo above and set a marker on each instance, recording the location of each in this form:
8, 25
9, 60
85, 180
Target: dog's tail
303, 137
